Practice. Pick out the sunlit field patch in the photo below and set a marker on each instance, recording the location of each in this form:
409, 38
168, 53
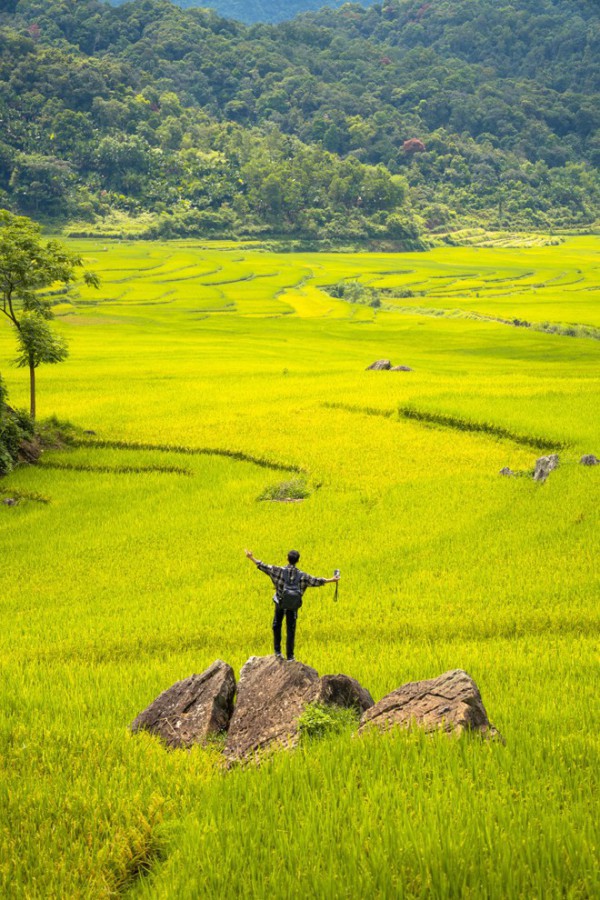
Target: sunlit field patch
212, 375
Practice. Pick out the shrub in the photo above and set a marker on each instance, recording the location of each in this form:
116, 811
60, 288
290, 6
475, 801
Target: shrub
354, 292
15, 426
318, 720
294, 489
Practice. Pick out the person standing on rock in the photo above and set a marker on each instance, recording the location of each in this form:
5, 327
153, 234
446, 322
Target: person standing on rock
290, 584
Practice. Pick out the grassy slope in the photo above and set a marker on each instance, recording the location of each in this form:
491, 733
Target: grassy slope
127, 582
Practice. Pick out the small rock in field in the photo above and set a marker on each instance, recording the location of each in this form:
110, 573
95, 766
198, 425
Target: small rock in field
506, 471
380, 365
589, 460
450, 703
10, 501
29, 451
401, 369
192, 710
544, 465
90, 433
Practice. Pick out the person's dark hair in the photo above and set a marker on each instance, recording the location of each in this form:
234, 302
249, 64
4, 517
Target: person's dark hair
293, 557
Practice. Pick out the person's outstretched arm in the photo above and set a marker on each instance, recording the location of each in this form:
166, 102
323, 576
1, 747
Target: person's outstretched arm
252, 557
312, 581
272, 571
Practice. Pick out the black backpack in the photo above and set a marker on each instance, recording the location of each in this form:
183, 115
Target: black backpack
291, 595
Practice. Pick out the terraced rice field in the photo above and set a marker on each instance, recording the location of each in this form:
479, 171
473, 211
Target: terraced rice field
209, 374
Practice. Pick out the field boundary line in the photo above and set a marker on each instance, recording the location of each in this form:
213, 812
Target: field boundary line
115, 470
572, 330
237, 455
454, 422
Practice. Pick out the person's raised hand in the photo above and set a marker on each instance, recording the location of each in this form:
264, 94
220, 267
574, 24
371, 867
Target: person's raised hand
249, 553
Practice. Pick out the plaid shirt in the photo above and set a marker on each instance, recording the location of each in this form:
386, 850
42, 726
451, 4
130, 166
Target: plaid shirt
277, 576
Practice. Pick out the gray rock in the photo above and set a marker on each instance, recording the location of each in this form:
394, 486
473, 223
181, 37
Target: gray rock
450, 703
401, 369
506, 471
544, 465
192, 710
380, 365
589, 460
10, 501
341, 690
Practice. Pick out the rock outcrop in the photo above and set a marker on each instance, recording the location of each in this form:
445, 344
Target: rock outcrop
544, 465
589, 460
506, 471
380, 365
274, 693
192, 710
401, 369
450, 703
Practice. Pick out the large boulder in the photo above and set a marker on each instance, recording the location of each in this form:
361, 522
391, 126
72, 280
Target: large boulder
272, 695
544, 465
192, 710
341, 690
589, 460
450, 703
380, 365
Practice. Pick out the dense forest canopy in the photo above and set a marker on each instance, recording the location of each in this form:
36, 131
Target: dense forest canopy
357, 122
250, 11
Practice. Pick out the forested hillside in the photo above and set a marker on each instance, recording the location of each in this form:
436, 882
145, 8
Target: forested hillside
351, 123
250, 11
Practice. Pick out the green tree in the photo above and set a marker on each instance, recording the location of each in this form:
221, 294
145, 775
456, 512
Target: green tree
28, 267
41, 184
37, 344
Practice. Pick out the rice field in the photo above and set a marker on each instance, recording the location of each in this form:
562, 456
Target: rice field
210, 374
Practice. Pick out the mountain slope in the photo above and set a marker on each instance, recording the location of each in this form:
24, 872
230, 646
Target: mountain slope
488, 114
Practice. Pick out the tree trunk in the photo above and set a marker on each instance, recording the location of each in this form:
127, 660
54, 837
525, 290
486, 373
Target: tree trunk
32, 391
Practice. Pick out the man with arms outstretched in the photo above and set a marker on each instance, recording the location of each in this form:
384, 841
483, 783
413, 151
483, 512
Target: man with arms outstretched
289, 582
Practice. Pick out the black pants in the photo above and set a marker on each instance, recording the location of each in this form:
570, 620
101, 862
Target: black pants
290, 621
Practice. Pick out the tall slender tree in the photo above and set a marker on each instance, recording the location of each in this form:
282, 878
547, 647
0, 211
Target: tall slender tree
29, 266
